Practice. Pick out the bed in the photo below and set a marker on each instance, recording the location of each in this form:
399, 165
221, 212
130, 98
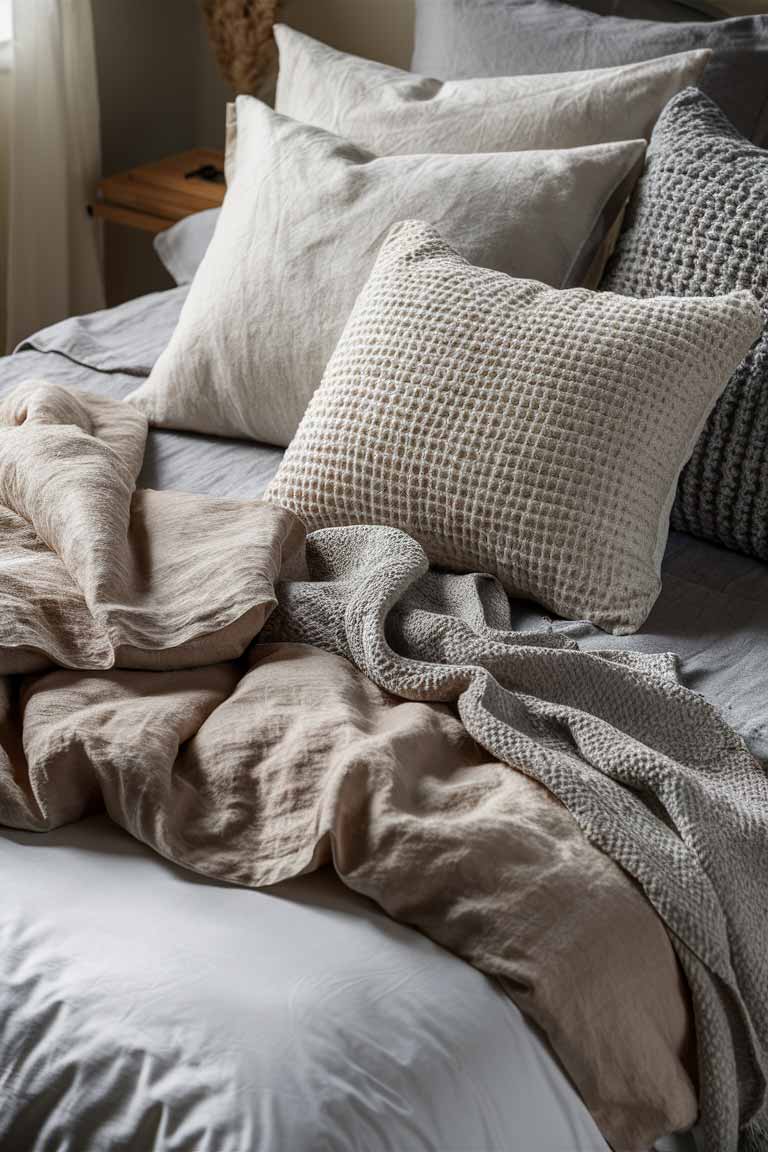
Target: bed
146, 1007
314, 833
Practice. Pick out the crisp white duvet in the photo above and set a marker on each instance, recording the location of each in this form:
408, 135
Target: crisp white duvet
143, 1008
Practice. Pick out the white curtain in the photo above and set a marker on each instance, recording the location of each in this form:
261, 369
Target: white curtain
54, 259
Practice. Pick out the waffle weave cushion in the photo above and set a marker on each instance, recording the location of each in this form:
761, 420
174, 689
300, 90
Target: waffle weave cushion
698, 225
532, 433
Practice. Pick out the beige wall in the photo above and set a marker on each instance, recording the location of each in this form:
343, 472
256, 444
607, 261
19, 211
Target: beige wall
381, 29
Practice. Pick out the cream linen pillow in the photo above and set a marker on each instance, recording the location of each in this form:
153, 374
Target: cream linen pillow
301, 224
390, 111
534, 434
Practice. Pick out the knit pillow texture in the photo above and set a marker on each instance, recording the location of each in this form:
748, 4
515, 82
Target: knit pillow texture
698, 226
512, 428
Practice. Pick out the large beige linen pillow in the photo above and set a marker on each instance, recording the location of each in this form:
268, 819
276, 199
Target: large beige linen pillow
299, 230
514, 429
391, 111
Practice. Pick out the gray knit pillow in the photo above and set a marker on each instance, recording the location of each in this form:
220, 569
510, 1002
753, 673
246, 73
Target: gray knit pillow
698, 225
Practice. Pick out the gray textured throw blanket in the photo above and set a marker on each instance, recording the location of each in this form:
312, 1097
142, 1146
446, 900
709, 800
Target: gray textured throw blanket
155, 657
651, 773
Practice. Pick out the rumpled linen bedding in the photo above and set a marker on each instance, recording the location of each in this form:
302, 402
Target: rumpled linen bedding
394, 792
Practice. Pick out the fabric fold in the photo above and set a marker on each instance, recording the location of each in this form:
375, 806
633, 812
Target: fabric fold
99, 574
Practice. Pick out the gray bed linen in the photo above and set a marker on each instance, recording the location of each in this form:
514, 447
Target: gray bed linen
713, 609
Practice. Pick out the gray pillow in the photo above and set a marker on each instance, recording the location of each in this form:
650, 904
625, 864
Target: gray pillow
456, 39
698, 225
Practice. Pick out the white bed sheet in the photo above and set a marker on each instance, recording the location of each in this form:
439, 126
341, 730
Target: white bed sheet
145, 1008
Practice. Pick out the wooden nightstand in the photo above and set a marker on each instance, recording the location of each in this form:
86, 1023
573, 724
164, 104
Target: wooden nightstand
152, 197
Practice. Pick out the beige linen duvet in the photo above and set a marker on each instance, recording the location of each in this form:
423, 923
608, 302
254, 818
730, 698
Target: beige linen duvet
152, 663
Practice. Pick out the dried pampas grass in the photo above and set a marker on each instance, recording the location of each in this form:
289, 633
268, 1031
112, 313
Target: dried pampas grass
241, 34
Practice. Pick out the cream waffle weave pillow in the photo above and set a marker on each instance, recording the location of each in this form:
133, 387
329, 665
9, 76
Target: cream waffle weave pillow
509, 427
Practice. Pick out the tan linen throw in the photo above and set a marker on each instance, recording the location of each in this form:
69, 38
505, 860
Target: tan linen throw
385, 718
95, 574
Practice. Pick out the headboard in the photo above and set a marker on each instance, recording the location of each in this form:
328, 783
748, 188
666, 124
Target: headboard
241, 31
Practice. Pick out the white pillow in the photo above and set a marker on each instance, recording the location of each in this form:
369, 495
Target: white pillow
303, 219
390, 111
181, 248
514, 429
